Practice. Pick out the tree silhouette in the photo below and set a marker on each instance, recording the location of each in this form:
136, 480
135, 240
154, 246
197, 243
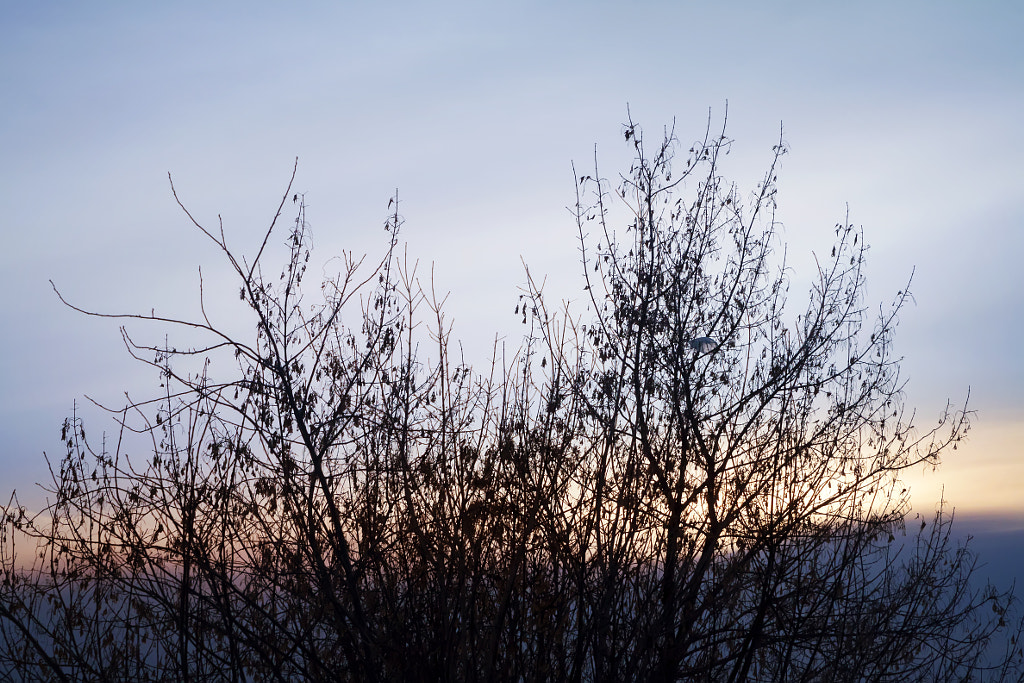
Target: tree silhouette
692, 479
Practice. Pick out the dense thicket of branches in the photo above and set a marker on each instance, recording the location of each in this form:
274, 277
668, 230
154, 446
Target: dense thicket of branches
694, 479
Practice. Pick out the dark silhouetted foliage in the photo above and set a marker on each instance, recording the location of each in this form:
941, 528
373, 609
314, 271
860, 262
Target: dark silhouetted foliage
693, 479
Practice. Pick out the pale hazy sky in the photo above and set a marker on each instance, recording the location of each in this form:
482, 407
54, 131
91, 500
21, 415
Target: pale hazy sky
908, 113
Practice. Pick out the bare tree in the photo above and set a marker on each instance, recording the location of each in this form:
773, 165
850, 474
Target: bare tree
691, 480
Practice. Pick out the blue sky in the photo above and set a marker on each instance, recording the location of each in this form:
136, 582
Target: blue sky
907, 113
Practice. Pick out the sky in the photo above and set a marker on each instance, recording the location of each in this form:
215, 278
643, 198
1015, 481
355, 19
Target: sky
905, 115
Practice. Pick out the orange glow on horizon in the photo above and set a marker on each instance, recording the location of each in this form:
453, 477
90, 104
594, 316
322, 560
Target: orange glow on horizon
984, 477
